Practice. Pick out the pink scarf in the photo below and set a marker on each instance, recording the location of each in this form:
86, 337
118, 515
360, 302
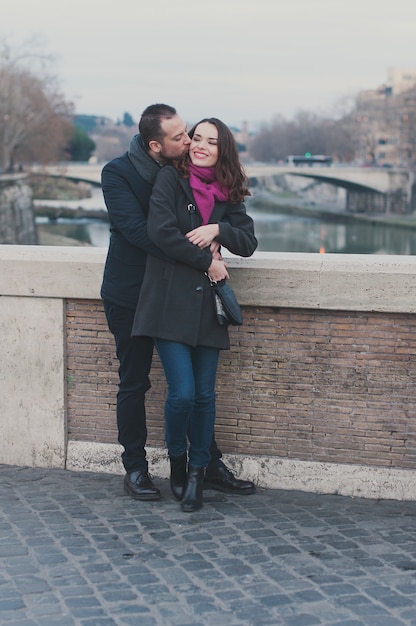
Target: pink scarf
206, 189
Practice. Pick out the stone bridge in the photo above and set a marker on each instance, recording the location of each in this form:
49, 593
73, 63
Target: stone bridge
369, 189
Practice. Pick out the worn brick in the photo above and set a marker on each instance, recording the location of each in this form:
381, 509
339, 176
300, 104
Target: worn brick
307, 384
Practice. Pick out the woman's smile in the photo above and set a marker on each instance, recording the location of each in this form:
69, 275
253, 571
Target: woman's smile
203, 150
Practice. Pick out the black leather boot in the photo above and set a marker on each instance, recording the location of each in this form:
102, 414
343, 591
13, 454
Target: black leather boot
222, 479
192, 495
178, 474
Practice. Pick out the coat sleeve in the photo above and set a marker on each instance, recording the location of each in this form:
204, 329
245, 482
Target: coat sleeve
237, 231
163, 227
127, 214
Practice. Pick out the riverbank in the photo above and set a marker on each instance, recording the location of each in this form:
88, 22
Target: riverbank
54, 213
284, 222
276, 202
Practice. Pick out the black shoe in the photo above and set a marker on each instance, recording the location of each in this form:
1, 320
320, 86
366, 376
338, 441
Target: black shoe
222, 479
192, 495
178, 465
140, 487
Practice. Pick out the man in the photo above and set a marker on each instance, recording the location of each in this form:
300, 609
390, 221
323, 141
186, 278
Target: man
127, 183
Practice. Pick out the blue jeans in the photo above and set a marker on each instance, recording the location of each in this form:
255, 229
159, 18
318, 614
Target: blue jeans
190, 405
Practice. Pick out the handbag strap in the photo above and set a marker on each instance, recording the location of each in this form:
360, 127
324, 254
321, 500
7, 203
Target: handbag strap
215, 283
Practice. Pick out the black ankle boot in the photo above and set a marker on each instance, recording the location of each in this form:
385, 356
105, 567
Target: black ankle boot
178, 474
192, 495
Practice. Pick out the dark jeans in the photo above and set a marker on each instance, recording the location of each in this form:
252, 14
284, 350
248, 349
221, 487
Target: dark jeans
135, 359
190, 404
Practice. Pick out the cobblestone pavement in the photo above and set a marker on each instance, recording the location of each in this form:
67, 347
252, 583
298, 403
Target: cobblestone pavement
76, 551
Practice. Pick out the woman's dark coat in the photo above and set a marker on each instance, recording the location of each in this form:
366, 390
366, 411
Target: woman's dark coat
176, 300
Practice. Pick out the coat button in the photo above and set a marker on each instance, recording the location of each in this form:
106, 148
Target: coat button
199, 288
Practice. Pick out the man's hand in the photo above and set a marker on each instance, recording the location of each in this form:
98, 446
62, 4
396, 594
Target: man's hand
215, 250
217, 271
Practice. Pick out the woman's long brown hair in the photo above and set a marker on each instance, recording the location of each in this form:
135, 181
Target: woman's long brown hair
229, 170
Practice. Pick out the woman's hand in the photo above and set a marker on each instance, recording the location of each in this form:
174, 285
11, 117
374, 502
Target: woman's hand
217, 271
203, 235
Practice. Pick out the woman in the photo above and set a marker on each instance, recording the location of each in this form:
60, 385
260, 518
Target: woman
196, 205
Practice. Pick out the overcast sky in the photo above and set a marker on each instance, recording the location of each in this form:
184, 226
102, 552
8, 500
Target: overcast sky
233, 59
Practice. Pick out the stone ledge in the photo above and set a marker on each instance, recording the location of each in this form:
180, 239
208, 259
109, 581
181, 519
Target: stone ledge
266, 472
324, 281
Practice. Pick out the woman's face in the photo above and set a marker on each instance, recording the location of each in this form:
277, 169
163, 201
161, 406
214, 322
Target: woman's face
203, 150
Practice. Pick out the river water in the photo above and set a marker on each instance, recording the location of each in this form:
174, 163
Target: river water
276, 232
288, 233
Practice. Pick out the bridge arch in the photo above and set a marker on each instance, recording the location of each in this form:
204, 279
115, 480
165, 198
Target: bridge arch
393, 186
369, 190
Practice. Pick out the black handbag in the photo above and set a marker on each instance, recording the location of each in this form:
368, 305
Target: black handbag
227, 308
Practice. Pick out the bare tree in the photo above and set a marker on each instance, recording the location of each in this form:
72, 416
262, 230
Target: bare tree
35, 118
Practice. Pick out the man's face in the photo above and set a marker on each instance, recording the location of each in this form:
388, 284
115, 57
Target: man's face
176, 140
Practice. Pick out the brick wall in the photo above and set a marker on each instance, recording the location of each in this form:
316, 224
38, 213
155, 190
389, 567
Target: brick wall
312, 385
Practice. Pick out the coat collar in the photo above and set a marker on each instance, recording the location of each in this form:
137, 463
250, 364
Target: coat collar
219, 206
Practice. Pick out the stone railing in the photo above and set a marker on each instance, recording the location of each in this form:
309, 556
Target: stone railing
316, 393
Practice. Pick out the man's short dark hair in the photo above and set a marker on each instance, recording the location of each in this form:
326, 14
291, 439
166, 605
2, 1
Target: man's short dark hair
150, 125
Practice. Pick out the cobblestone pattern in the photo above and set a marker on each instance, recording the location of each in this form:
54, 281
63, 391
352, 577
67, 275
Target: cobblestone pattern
74, 550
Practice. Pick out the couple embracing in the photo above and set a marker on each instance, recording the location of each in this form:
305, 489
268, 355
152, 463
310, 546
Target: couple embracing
173, 200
